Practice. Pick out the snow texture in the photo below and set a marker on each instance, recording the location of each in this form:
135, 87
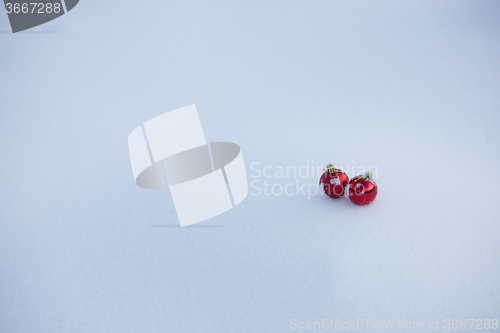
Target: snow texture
408, 87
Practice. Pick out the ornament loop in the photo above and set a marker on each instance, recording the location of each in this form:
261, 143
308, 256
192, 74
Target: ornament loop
329, 168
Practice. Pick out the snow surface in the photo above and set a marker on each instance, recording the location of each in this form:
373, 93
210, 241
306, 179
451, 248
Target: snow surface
409, 87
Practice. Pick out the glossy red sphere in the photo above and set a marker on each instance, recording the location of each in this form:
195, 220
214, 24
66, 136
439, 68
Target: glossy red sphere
362, 191
334, 183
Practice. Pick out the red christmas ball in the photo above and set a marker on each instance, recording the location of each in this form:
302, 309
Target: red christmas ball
334, 181
362, 189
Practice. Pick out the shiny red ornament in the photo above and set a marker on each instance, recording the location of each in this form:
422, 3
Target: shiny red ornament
362, 189
334, 181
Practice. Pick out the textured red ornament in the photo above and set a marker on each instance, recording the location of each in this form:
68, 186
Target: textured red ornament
334, 181
362, 189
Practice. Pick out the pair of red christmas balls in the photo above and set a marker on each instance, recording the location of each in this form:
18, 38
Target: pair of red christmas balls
362, 189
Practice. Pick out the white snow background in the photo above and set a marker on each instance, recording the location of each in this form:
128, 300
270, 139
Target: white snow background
411, 87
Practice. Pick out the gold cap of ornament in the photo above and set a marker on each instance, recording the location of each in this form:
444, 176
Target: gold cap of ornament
368, 175
329, 168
